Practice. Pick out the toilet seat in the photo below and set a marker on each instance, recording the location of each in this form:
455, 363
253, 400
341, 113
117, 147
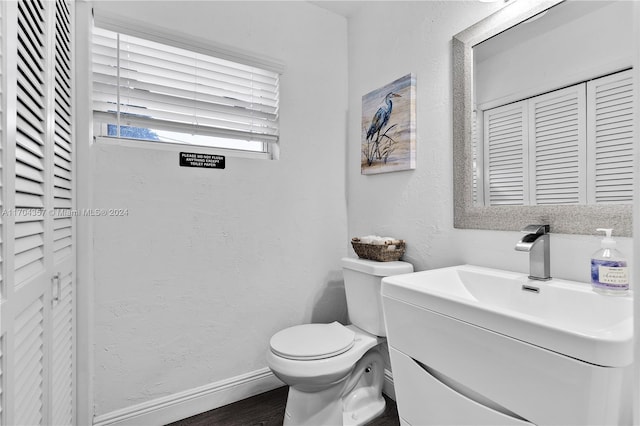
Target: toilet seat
321, 372
310, 342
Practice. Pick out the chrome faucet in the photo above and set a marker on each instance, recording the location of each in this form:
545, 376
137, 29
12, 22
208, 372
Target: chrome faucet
536, 242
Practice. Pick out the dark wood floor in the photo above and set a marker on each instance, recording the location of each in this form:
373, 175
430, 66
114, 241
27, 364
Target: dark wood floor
267, 409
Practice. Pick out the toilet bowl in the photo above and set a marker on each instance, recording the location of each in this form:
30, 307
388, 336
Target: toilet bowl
335, 372
326, 388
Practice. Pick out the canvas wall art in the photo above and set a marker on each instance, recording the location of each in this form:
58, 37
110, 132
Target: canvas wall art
389, 127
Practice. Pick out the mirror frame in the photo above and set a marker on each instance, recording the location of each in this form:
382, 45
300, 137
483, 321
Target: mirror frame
563, 219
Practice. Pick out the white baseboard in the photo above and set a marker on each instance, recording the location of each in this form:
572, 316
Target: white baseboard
388, 388
185, 404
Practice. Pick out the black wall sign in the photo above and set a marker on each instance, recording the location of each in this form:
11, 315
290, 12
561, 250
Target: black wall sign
207, 161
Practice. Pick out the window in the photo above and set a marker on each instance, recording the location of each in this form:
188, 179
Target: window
147, 90
568, 146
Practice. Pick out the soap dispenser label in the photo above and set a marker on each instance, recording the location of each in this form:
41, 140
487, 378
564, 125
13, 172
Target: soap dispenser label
613, 275
607, 274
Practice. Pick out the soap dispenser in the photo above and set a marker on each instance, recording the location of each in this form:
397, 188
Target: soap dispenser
609, 272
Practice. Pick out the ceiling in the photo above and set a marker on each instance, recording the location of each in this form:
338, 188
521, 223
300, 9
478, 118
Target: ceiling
345, 8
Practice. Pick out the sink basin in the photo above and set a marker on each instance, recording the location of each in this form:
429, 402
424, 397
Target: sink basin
562, 316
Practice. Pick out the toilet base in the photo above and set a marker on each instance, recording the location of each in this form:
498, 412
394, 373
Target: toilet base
364, 401
315, 408
364, 414
352, 401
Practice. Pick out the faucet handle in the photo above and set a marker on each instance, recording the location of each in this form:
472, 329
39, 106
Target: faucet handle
536, 229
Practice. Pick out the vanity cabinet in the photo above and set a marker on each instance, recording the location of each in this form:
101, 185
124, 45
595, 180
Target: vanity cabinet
425, 400
451, 372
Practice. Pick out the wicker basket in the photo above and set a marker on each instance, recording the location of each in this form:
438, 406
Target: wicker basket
379, 252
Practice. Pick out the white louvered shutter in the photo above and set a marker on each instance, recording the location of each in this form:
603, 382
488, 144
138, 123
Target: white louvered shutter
3, 293
61, 188
30, 140
557, 147
505, 155
38, 326
611, 138
3, 136
28, 279
3, 392
2, 380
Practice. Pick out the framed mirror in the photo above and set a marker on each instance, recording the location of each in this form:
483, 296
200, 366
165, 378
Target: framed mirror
479, 90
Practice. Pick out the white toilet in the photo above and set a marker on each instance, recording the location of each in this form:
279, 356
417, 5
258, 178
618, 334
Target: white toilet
335, 372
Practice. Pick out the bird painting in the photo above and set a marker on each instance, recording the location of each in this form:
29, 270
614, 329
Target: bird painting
381, 117
388, 127
378, 123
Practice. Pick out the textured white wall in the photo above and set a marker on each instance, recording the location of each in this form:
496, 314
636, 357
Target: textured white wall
190, 286
388, 40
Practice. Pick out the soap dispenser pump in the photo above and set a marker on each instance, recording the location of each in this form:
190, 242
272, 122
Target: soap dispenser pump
609, 272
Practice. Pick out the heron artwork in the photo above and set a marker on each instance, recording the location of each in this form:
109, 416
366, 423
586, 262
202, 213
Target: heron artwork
388, 130
379, 122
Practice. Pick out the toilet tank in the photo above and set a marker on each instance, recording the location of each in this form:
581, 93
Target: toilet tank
362, 284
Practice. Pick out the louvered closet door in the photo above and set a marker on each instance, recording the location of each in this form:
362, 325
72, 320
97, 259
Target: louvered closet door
505, 155
27, 284
38, 283
61, 187
557, 138
611, 138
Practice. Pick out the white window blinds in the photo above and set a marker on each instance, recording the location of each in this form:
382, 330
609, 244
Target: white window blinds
145, 84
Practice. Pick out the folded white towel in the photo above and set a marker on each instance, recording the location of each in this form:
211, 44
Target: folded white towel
377, 240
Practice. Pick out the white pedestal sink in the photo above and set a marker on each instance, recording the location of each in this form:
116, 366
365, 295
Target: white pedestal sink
479, 346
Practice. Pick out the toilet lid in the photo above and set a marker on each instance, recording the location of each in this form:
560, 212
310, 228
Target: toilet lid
312, 341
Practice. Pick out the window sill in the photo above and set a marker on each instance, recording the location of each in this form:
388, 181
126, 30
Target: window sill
175, 147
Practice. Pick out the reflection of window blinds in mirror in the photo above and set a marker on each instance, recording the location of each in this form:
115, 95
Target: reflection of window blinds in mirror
505, 149
581, 143
474, 153
557, 141
610, 130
